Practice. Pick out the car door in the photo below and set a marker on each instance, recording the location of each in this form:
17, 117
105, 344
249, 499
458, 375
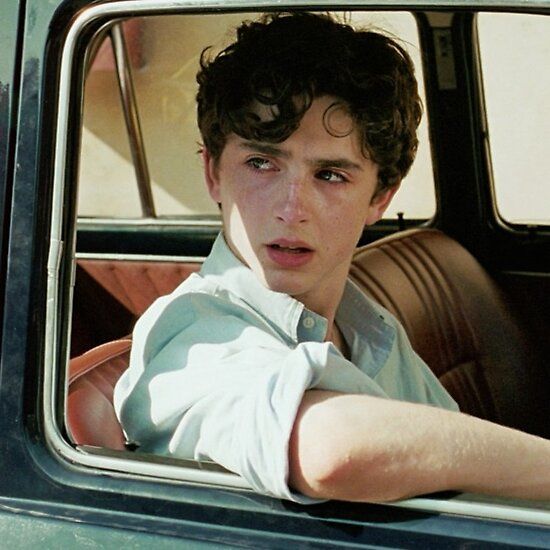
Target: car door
111, 496
9, 66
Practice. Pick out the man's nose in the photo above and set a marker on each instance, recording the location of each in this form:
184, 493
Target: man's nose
292, 207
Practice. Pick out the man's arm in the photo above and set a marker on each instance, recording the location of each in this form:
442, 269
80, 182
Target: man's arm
364, 448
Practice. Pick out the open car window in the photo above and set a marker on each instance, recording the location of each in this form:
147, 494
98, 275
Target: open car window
163, 70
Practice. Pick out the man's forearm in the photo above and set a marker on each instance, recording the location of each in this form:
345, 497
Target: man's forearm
363, 448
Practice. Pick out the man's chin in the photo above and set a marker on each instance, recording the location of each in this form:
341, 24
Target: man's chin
285, 285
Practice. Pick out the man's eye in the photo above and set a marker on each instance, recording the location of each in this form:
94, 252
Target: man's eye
259, 163
331, 177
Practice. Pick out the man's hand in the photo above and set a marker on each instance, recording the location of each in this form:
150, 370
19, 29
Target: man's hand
364, 448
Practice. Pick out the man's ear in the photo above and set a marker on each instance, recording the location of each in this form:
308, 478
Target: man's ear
211, 175
379, 203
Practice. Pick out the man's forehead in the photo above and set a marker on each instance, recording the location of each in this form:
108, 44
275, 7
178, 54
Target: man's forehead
327, 124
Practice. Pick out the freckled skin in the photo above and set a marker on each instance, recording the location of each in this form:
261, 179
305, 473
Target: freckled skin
314, 188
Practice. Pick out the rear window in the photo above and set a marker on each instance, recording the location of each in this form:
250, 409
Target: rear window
515, 63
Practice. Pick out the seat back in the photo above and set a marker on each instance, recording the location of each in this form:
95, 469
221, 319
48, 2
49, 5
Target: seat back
91, 418
458, 322
125, 288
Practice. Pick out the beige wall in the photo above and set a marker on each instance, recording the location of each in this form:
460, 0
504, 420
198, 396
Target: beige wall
165, 89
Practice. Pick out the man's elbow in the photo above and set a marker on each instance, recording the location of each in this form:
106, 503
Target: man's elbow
326, 461
325, 472
317, 471
329, 458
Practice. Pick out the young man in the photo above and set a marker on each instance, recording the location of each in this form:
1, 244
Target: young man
270, 362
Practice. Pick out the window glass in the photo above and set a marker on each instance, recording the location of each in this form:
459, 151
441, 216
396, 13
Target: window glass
515, 58
164, 53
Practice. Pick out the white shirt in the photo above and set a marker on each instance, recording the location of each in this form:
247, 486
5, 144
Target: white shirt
218, 369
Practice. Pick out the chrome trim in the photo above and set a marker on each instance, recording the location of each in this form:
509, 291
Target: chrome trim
123, 467
131, 118
127, 468
158, 222
456, 506
527, 274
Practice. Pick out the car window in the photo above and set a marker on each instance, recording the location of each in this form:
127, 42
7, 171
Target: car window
515, 63
164, 54
164, 69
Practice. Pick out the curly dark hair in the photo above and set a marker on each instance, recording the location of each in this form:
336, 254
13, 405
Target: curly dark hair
287, 60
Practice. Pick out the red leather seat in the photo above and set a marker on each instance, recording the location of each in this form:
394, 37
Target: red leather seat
458, 321
91, 418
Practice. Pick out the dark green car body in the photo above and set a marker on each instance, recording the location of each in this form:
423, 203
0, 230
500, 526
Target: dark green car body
47, 500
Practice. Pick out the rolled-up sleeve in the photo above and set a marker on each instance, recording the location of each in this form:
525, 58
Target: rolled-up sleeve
246, 425
217, 386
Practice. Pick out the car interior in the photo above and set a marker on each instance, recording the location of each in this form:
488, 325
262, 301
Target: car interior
438, 291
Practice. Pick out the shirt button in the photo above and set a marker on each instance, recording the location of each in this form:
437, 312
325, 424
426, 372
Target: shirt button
308, 322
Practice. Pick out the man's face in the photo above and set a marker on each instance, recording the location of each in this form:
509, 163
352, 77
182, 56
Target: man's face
294, 211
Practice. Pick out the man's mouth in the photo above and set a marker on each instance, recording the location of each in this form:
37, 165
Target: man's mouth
290, 249
289, 253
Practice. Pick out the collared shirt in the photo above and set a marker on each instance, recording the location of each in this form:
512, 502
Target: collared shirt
218, 369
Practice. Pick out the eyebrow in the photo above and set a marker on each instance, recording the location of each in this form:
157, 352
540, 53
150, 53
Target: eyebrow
343, 163
320, 164
265, 148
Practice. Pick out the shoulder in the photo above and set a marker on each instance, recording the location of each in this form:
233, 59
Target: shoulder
196, 298
198, 311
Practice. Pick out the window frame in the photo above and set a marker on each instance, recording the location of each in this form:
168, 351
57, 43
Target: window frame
61, 260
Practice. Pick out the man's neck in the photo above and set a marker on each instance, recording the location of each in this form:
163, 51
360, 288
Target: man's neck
334, 335
325, 298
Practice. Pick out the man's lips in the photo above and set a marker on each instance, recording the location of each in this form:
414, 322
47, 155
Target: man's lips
290, 246
289, 253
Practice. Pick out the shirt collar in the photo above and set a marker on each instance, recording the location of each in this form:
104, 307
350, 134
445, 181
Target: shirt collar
287, 314
280, 310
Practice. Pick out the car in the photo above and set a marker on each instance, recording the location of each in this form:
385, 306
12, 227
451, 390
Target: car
103, 210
